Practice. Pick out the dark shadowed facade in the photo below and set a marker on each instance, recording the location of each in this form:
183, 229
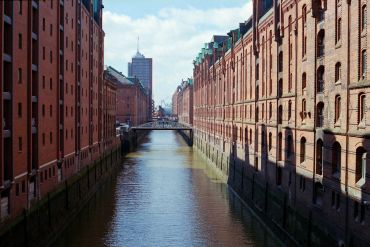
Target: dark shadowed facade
280, 105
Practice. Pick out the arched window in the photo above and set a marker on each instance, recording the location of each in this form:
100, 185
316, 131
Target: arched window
336, 160
320, 114
270, 141
318, 194
304, 14
361, 107
321, 43
289, 145
339, 29
270, 110
320, 79
337, 107
250, 136
263, 137
280, 114
360, 165
304, 80
303, 150
289, 109
280, 147
338, 71
280, 92
363, 17
290, 24
319, 157
363, 64
281, 61
304, 111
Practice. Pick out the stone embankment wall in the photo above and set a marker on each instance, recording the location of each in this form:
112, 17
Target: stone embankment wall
286, 216
40, 225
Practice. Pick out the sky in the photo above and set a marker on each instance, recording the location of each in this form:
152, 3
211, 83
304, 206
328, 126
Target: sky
172, 32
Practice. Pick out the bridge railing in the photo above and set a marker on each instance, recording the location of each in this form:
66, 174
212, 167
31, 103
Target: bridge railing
163, 125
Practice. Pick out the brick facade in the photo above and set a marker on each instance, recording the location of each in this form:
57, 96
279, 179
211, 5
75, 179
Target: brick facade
182, 102
286, 94
132, 98
51, 96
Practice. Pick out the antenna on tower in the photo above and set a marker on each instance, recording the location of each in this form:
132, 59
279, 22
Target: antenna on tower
137, 44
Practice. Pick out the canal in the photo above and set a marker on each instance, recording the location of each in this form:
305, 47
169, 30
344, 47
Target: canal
165, 194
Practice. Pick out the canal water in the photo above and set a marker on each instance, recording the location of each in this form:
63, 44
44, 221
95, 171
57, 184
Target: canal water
165, 194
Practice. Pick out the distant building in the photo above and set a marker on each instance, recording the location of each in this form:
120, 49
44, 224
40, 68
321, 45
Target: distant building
132, 98
182, 102
141, 68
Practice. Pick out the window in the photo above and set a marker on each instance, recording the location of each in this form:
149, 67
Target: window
338, 71
321, 43
361, 107
304, 14
279, 175
51, 28
270, 141
363, 18
360, 165
303, 150
43, 139
302, 183
363, 64
43, 110
51, 110
320, 115
339, 30
319, 157
280, 114
20, 8
19, 75
336, 160
19, 144
289, 146
280, 92
19, 110
320, 79
51, 137
337, 107
304, 81
281, 61
270, 110
290, 82
280, 147
20, 41
43, 24
304, 112
289, 109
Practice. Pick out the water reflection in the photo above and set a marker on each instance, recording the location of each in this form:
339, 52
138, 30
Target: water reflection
165, 195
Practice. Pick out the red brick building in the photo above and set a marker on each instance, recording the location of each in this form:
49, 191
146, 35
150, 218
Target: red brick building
182, 102
109, 113
51, 96
132, 98
281, 102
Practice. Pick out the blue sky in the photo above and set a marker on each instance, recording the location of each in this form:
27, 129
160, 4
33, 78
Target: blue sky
171, 32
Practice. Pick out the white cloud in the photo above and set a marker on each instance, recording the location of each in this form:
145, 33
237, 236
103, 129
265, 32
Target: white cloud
172, 37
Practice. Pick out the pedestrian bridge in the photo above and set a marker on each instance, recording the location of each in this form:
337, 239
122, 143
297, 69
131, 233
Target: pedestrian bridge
162, 125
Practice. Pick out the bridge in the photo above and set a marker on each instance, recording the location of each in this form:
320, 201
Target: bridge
162, 125
186, 131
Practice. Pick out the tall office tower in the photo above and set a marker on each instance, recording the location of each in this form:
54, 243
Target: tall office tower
50, 101
141, 68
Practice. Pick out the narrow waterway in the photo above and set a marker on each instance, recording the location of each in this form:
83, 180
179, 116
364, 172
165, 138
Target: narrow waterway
165, 195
